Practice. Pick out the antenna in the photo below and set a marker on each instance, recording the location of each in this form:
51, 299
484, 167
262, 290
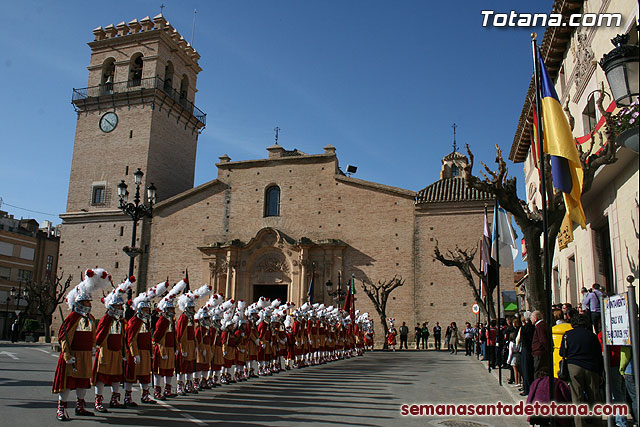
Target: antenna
455, 146
277, 129
193, 28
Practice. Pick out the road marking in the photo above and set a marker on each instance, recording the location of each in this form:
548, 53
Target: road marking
9, 354
184, 414
44, 351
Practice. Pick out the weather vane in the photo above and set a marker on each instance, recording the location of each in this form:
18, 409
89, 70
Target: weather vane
161, 8
277, 129
455, 146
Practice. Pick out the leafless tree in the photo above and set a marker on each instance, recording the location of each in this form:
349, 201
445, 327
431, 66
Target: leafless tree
379, 295
530, 220
45, 297
462, 259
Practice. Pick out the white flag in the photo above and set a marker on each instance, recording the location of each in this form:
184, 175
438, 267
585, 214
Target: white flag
503, 237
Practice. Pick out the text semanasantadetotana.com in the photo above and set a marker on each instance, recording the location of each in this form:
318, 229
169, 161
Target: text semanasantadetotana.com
500, 409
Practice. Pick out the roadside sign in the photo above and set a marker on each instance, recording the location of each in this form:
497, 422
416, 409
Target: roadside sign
475, 308
616, 320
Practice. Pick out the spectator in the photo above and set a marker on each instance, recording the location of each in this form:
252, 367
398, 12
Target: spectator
453, 338
594, 306
616, 380
582, 350
482, 337
447, 338
513, 360
626, 369
585, 302
15, 330
557, 332
404, 335
526, 357
468, 339
540, 393
418, 332
492, 336
539, 344
425, 336
437, 334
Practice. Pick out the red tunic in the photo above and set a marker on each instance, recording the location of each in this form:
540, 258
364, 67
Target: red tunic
164, 339
138, 339
108, 363
185, 335
391, 336
76, 338
264, 333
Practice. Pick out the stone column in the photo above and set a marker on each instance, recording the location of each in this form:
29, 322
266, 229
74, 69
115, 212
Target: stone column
227, 289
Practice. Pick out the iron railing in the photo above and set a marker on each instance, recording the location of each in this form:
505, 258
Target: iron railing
133, 86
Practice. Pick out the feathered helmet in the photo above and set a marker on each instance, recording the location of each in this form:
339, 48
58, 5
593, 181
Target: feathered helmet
169, 300
203, 315
392, 321
94, 279
144, 299
187, 300
117, 297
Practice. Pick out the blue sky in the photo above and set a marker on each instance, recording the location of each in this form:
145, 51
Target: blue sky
382, 81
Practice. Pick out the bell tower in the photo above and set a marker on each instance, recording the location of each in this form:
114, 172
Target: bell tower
137, 111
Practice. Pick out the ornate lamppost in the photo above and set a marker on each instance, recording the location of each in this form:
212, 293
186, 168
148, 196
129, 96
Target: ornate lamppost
338, 294
136, 211
621, 68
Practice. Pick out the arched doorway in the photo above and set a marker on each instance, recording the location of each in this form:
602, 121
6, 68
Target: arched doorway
270, 276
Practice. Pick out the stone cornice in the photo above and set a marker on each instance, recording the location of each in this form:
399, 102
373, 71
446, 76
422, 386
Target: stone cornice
304, 159
375, 186
186, 194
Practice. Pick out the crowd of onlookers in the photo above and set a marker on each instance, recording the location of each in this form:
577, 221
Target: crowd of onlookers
577, 337
520, 345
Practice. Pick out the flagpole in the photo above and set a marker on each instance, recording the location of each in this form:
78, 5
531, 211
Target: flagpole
545, 234
499, 334
487, 289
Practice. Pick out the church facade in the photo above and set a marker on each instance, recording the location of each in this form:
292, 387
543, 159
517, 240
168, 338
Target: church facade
264, 227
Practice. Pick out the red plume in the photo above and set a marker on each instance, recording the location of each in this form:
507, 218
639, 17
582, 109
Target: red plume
90, 273
102, 300
132, 279
104, 275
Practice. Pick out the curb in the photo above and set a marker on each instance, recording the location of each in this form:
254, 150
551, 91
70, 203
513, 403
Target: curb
513, 391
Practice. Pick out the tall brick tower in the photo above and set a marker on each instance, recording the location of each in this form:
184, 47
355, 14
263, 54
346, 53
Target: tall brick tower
137, 111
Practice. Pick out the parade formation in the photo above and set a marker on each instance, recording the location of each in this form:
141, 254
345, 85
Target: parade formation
221, 342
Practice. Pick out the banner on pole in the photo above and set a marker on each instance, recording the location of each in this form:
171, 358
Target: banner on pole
616, 320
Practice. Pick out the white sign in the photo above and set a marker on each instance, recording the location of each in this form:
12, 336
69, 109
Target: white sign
475, 308
616, 320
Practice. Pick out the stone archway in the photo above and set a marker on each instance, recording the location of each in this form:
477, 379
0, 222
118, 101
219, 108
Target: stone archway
270, 276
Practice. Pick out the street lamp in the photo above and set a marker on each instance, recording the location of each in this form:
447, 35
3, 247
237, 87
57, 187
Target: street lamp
136, 211
6, 323
621, 68
338, 294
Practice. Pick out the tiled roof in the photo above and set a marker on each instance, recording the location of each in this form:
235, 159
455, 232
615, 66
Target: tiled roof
454, 156
450, 190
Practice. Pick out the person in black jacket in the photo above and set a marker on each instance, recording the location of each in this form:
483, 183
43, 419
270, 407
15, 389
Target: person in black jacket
418, 331
526, 358
404, 335
581, 348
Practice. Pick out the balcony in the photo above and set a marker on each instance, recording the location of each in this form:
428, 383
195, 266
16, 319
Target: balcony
136, 88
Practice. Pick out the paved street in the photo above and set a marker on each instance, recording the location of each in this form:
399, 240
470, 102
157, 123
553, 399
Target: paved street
366, 391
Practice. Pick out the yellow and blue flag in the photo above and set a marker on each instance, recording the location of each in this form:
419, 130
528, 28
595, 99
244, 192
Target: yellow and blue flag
566, 168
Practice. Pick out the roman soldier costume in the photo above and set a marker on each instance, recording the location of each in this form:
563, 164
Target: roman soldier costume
185, 336
77, 339
107, 365
164, 343
138, 342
